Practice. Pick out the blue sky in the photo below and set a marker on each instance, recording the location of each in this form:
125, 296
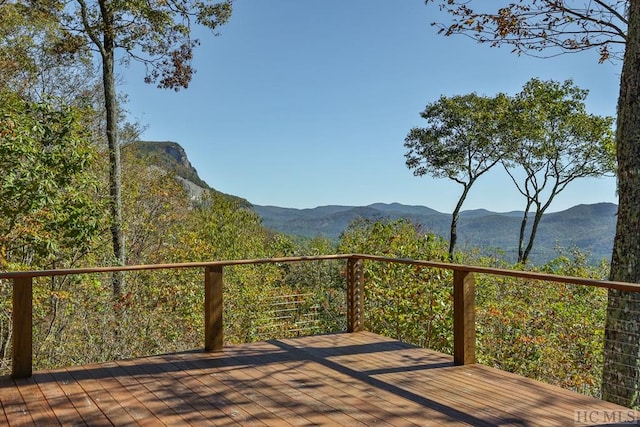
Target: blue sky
307, 103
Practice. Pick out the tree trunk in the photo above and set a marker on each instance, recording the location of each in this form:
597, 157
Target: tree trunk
621, 374
453, 233
115, 172
532, 236
455, 216
523, 227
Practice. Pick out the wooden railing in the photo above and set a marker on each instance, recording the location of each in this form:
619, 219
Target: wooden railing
464, 338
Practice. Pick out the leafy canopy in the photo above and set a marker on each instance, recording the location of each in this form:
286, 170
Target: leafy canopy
542, 25
157, 34
47, 191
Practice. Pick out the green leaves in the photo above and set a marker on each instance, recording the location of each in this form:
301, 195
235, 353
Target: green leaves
408, 303
543, 134
46, 191
461, 139
157, 34
554, 142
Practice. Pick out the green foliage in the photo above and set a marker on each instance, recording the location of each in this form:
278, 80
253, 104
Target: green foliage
49, 202
543, 131
554, 141
405, 302
463, 139
155, 206
551, 332
50, 216
547, 331
159, 35
37, 56
322, 283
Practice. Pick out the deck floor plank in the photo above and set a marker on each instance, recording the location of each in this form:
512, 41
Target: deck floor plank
31, 393
114, 410
81, 401
302, 394
342, 379
234, 408
450, 382
57, 399
367, 358
129, 392
181, 380
13, 405
360, 399
270, 393
483, 390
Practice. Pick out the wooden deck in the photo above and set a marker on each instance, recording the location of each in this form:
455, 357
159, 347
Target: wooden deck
343, 379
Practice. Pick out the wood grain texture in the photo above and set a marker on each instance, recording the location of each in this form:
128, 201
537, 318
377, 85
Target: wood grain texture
464, 318
21, 362
354, 379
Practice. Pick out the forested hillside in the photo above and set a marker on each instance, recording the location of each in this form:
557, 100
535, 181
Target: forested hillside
170, 157
589, 228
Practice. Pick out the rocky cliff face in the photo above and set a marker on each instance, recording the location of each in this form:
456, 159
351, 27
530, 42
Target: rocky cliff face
176, 151
169, 155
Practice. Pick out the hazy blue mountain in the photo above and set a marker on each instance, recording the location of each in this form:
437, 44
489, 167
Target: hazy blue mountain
588, 227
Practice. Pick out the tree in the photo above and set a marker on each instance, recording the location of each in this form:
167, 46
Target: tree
461, 142
555, 141
612, 27
536, 26
155, 203
48, 204
157, 34
39, 59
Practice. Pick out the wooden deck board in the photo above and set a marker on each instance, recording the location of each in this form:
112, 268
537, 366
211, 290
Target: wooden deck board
322, 402
14, 406
112, 408
127, 391
343, 379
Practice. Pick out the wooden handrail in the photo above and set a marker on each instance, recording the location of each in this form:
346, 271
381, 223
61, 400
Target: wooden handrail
463, 295
623, 286
180, 265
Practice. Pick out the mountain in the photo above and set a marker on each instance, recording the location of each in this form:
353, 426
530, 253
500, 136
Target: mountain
590, 228
170, 156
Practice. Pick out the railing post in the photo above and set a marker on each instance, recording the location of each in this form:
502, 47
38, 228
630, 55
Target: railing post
22, 361
464, 318
213, 334
355, 295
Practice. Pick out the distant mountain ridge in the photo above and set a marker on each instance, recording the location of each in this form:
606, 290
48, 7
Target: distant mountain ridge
588, 227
